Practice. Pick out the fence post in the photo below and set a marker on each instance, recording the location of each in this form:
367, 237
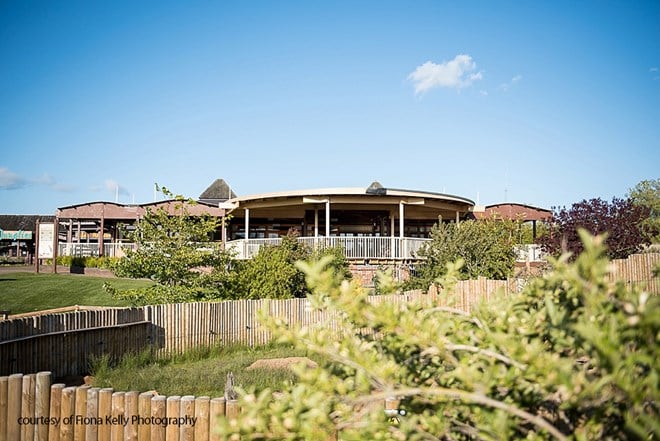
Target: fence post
187, 431
144, 410
79, 431
217, 409
42, 399
14, 406
27, 406
92, 412
4, 389
105, 410
131, 410
55, 410
68, 408
117, 430
158, 412
202, 408
173, 406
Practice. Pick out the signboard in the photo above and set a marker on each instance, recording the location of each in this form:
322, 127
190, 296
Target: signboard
46, 238
15, 235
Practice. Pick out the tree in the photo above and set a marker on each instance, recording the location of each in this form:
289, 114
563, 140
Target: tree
485, 246
272, 273
175, 251
573, 356
646, 195
621, 219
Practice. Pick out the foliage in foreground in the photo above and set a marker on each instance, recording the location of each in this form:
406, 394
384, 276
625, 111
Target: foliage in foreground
574, 356
485, 246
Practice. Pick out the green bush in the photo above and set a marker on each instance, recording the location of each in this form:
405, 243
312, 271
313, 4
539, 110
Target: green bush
103, 262
273, 274
574, 356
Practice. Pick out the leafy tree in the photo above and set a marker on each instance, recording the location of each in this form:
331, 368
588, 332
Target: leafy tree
646, 194
621, 219
174, 250
573, 356
485, 246
272, 273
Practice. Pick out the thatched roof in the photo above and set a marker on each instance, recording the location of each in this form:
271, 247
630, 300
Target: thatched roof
24, 222
219, 191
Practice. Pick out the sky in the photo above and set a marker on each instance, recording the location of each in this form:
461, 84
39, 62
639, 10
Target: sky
541, 103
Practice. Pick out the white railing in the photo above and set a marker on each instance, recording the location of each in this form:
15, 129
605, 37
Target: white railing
529, 253
92, 249
390, 248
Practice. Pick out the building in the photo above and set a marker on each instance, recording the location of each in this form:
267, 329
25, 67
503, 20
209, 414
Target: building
18, 235
375, 226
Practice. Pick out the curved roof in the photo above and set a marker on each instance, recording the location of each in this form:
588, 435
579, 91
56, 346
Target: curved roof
353, 191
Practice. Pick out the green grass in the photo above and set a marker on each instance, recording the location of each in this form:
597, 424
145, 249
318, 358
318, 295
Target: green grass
27, 292
201, 372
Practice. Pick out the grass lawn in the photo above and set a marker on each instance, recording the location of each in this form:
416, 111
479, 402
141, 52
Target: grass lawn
200, 372
27, 292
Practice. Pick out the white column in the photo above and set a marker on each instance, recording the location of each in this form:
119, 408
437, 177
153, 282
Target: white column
247, 223
327, 218
401, 219
316, 222
457, 217
392, 240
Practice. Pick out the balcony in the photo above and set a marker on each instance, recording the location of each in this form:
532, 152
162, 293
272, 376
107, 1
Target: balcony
355, 248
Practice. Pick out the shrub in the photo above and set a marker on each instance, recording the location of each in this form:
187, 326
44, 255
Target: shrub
572, 356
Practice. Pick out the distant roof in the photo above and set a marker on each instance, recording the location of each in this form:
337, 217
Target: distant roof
218, 191
25, 222
513, 211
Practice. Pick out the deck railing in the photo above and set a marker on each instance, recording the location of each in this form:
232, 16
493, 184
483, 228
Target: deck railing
92, 249
367, 247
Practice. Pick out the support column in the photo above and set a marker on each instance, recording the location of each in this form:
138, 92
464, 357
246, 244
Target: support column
327, 218
247, 223
101, 229
458, 218
316, 221
401, 222
392, 240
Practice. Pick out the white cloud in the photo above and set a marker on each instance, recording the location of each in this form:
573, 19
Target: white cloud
10, 180
506, 86
653, 69
455, 74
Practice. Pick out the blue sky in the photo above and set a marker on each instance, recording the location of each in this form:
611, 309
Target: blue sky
544, 103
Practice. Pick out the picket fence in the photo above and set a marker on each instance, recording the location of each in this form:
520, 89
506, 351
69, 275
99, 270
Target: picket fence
33, 409
64, 343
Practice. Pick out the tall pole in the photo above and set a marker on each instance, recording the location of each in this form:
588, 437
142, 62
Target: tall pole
327, 218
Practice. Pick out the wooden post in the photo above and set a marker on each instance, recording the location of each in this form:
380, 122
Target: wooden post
36, 249
105, 410
4, 389
92, 412
158, 411
217, 409
131, 410
144, 410
55, 410
42, 400
67, 411
173, 407
202, 412
232, 409
187, 431
79, 431
117, 429
14, 391
27, 406
56, 242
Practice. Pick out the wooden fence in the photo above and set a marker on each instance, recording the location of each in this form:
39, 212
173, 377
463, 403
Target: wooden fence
33, 409
64, 343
